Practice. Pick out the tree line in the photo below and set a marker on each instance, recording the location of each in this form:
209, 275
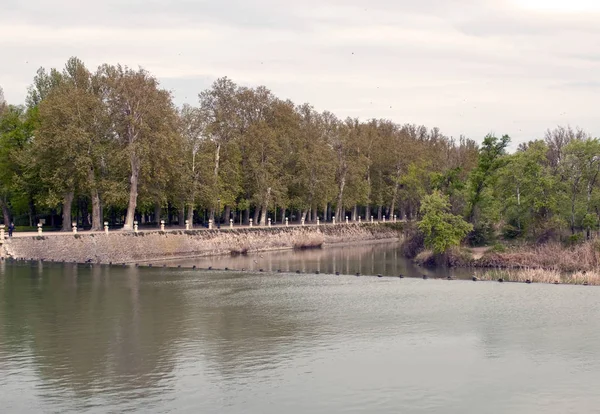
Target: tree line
110, 145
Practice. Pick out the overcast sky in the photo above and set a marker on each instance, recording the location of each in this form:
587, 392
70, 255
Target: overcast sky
466, 66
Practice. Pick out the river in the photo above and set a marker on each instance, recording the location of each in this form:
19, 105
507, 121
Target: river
108, 339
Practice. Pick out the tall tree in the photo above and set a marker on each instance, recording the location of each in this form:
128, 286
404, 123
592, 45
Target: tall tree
143, 119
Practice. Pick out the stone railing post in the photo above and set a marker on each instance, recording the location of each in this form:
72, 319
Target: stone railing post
74, 227
394, 218
346, 219
333, 220
359, 219
106, 227
318, 222
371, 219
187, 224
250, 222
302, 221
162, 225
230, 223
383, 219
287, 222
210, 224
39, 228
269, 221
2, 226
135, 226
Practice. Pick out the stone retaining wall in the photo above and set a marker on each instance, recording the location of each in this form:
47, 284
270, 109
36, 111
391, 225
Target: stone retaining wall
126, 247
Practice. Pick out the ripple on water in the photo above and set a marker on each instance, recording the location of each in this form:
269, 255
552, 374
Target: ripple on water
177, 340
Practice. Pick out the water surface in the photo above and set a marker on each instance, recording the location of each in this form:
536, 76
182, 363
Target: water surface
111, 339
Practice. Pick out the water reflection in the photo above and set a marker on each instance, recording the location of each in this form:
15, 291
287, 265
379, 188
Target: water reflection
367, 259
111, 339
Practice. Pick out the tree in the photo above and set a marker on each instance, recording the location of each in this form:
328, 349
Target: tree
227, 111
17, 125
527, 188
442, 229
192, 128
143, 121
490, 159
3, 104
71, 144
580, 167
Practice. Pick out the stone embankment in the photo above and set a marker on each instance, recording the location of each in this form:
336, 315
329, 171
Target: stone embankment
127, 247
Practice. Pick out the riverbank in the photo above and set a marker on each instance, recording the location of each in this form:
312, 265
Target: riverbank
128, 247
545, 263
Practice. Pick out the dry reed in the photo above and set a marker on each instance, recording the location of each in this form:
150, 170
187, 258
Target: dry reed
585, 256
538, 275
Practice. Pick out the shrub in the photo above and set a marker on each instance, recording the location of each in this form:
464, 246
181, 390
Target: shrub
441, 228
575, 239
481, 235
511, 232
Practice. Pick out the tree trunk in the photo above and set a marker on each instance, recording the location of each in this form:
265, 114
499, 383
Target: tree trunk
573, 215
263, 215
5, 212
265, 208
379, 209
157, 212
283, 216
181, 216
133, 192
247, 216
66, 211
216, 179
227, 216
190, 215
355, 213
341, 199
96, 211
255, 217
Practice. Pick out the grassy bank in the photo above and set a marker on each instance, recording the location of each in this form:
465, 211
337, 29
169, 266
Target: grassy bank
541, 276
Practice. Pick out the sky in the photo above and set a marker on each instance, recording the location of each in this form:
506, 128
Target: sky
469, 67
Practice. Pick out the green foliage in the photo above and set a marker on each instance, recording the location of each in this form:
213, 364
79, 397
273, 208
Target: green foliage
481, 235
575, 239
483, 176
111, 144
510, 232
442, 229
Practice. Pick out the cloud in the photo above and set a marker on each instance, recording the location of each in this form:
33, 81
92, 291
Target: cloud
467, 66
